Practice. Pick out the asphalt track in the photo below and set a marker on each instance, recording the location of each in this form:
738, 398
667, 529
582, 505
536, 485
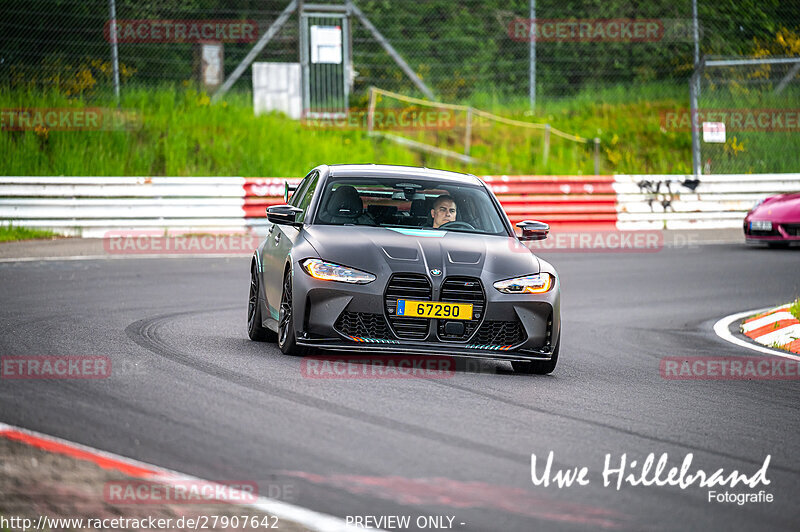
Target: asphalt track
190, 392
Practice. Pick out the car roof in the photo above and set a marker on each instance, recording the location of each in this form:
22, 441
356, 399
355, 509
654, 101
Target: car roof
381, 170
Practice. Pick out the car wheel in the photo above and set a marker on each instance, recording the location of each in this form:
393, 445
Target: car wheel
286, 337
255, 330
538, 367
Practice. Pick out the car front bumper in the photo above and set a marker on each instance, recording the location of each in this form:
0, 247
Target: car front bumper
510, 327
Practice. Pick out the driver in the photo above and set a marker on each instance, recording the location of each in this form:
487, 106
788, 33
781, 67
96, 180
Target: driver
443, 211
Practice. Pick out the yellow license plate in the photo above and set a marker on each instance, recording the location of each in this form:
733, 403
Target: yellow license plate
434, 309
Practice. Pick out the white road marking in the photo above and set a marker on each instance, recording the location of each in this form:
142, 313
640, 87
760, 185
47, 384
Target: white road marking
766, 320
783, 336
721, 329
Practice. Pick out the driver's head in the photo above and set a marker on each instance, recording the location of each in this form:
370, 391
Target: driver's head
443, 211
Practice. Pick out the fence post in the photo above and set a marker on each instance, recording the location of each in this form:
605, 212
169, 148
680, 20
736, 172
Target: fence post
112, 11
371, 110
546, 147
596, 156
468, 132
694, 82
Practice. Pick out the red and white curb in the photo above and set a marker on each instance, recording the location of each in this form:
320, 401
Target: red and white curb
775, 327
282, 510
722, 329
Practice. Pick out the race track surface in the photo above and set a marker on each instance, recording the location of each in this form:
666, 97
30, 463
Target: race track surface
190, 392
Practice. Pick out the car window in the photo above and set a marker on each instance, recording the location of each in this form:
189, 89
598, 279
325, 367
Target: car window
398, 202
304, 197
301, 188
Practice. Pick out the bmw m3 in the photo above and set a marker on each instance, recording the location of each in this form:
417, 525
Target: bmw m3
403, 260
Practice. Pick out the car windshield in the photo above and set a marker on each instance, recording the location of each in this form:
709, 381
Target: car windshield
412, 203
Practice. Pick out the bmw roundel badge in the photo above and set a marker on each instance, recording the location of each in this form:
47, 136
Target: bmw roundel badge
436, 271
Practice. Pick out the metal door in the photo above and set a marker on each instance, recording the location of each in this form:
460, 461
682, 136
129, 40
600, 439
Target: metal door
325, 59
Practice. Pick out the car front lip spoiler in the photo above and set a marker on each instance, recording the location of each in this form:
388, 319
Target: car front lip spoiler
426, 349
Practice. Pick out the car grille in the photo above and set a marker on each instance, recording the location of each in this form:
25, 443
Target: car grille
407, 286
792, 229
463, 290
362, 325
500, 333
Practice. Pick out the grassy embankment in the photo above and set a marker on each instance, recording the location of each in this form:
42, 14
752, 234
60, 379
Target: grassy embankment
179, 132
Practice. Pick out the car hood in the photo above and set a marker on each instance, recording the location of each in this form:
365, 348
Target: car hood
781, 208
382, 250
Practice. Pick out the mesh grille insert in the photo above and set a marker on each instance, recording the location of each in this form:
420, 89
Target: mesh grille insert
407, 286
362, 325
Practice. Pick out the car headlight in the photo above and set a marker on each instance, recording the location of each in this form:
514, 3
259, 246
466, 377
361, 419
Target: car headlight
529, 284
327, 271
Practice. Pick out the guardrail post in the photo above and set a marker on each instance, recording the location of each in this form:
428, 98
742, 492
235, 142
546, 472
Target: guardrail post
596, 156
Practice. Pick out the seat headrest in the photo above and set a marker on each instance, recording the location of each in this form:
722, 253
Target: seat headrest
345, 202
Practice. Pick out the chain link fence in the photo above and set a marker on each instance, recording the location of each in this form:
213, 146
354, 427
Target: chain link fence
748, 120
463, 49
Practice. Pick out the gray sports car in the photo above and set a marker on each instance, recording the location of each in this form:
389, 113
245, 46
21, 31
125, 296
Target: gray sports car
403, 260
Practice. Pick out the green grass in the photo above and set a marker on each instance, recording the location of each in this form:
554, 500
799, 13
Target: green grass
794, 309
179, 133
10, 233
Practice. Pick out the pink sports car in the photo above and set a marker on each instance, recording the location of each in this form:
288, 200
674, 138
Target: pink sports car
774, 220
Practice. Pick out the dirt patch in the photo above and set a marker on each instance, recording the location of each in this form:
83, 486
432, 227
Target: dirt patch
35, 483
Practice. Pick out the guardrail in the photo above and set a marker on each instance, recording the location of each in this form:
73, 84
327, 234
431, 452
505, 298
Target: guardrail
90, 206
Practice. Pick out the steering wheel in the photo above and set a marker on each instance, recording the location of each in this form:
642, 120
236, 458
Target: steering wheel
456, 225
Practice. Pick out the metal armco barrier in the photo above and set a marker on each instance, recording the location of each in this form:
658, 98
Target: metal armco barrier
90, 206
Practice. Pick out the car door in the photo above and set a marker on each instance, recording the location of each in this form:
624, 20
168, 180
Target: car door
280, 241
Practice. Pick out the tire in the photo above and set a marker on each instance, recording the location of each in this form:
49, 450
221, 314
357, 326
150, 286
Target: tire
536, 367
255, 330
287, 341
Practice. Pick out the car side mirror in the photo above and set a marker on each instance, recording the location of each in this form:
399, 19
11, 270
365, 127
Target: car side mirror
283, 214
533, 230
